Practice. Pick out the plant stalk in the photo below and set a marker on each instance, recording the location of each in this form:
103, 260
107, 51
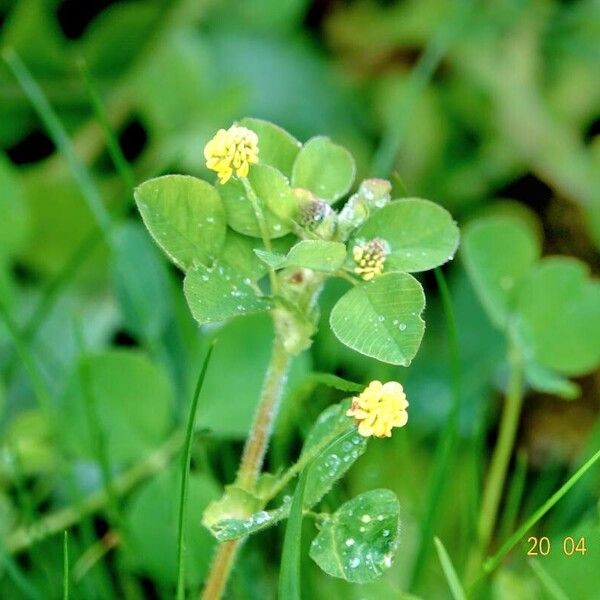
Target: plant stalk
499, 466
252, 460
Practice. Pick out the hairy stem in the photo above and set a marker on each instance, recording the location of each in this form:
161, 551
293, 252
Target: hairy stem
499, 465
252, 460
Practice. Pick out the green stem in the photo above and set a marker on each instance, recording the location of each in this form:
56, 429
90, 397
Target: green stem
262, 225
499, 465
252, 460
256, 444
23, 537
445, 450
186, 460
333, 438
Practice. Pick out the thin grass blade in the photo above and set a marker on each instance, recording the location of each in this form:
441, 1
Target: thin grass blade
289, 574
492, 563
449, 571
185, 476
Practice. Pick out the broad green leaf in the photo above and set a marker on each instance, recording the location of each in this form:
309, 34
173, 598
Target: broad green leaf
143, 293
318, 255
28, 439
219, 293
234, 381
559, 316
151, 521
14, 220
276, 146
185, 216
290, 583
549, 382
131, 399
238, 253
420, 234
382, 318
336, 457
324, 168
499, 252
358, 542
275, 197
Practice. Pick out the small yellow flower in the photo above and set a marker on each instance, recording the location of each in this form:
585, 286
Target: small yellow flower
232, 149
379, 408
370, 258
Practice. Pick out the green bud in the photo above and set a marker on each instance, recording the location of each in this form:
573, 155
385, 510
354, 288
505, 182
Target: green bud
371, 195
317, 217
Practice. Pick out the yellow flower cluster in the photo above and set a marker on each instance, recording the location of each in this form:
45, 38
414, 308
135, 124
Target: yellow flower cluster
233, 149
370, 258
379, 408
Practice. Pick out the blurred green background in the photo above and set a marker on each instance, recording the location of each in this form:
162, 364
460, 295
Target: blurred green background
479, 106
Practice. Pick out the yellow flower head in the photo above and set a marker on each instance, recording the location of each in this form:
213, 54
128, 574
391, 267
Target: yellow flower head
370, 258
232, 149
379, 408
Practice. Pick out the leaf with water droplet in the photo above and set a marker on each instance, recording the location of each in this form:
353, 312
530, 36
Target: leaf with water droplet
275, 197
499, 252
185, 216
420, 234
324, 168
337, 457
276, 146
399, 299
318, 255
359, 540
219, 293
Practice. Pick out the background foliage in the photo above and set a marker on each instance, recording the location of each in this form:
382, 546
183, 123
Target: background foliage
490, 109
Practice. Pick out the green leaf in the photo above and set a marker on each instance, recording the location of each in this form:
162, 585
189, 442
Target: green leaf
549, 382
449, 571
358, 542
324, 168
276, 146
318, 255
559, 316
185, 216
499, 252
290, 583
420, 234
151, 521
238, 253
14, 222
219, 293
133, 404
143, 293
233, 383
336, 458
382, 318
232, 518
276, 199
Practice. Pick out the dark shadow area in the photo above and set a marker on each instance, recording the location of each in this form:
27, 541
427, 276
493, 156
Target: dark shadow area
32, 148
74, 16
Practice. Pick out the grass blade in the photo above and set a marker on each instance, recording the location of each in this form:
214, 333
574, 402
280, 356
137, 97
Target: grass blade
60, 137
112, 144
289, 574
21, 581
66, 576
185, 476
445, 451
449, 571
548, 582
492, 563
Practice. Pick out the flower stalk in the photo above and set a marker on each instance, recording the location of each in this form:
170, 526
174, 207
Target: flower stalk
252, 460
498, 469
